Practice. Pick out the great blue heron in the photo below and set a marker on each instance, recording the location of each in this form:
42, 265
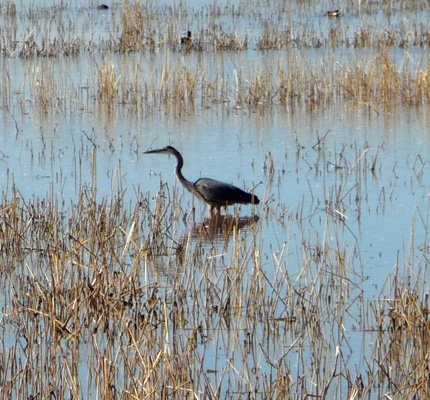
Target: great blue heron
215, 193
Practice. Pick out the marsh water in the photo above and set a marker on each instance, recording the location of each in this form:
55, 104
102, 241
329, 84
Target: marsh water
54, 156
342, 175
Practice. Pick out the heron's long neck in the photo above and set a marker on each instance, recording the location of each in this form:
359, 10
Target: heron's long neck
185, 182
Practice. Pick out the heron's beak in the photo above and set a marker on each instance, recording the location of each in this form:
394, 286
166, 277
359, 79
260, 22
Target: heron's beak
156, 151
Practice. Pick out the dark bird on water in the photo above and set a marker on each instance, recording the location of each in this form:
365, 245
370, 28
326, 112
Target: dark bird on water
215, 193
187, 39
333, 14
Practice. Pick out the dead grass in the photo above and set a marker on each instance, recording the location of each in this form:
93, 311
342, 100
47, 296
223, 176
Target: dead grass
108, 298
288, 84
303, 63
133, 35
107, 91
104, 298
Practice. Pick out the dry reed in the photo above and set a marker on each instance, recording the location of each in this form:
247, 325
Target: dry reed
106, 300
109, 299
310, 74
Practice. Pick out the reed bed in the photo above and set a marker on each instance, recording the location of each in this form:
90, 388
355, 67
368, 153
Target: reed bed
286, 84
306, 60
114, 298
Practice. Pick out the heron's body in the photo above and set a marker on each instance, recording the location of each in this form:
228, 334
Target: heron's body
215, 193
219, 194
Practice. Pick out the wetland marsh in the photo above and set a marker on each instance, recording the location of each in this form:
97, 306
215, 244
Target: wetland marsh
117, 284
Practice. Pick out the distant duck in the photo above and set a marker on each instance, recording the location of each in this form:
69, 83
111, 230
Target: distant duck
187, 39
333, 14
103, 7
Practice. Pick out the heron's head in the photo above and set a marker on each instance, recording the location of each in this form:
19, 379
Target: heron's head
164, 150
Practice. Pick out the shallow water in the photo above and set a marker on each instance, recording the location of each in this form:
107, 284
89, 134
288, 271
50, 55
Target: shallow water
320, 188
232, 147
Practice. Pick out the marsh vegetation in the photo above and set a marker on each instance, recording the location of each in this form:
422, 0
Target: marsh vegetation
116, 284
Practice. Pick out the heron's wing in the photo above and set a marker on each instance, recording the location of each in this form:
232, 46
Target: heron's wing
220, 193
